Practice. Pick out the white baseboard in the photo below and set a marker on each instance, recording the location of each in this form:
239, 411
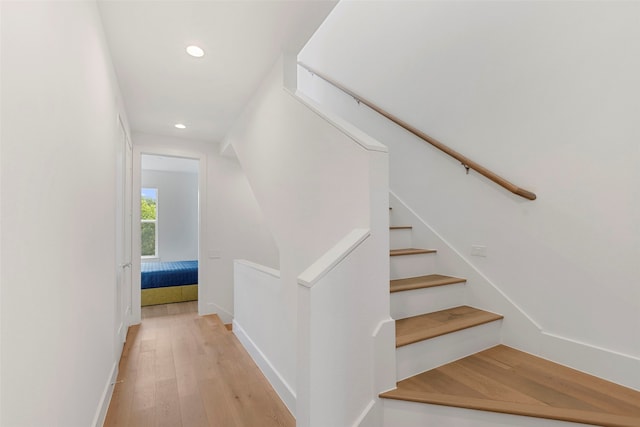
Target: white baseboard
620, 368
371, 416
122, 336
120, 328
213, 308
105, 399
398, 413
284, 390
519, 329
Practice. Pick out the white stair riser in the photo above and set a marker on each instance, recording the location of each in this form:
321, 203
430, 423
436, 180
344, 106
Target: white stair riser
399, 413
421, 301
404, 266
424, 355
400, 238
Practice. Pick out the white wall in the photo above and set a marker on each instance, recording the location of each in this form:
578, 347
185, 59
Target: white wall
315, 184
177, 213
60, 103
545, 94
231, 223
258, 295
1, 245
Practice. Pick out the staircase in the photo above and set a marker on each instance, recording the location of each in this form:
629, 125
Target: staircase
454, 371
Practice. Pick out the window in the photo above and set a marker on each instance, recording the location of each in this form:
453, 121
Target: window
149, 222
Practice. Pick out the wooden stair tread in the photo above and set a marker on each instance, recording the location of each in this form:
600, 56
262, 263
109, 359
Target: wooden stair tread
410, 251
420, 282
400, 227
431, 325
502, 379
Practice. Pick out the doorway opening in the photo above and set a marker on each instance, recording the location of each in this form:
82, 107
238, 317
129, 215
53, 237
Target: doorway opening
169, 229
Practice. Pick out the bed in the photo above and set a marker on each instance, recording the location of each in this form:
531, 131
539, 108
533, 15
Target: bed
167, 282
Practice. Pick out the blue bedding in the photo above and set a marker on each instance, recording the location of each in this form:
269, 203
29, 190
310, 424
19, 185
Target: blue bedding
163, 274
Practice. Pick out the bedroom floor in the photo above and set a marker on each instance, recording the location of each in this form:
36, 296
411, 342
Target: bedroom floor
181, 369
169, 309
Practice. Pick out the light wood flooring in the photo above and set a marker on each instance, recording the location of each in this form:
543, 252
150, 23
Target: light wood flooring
180, 369
502, 379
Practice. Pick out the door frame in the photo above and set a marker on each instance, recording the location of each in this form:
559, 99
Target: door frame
163, 150
124, 182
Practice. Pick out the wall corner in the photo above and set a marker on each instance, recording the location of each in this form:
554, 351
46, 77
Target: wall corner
290, 71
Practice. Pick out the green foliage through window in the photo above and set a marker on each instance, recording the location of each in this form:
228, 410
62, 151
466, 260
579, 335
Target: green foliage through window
148, 239
149, 221
148, 208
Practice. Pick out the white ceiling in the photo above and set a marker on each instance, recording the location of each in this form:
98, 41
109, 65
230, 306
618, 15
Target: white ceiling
162, 85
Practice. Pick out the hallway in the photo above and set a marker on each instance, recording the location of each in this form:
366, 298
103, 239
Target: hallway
180, 369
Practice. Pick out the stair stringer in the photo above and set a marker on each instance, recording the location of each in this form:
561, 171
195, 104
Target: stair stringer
621, 368
518, 330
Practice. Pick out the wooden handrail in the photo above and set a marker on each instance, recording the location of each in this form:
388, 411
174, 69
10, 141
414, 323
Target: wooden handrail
466, 162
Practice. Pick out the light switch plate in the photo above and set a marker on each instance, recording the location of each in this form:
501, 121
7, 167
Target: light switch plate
479, 250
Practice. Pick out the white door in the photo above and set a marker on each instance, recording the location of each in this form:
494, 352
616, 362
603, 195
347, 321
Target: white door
127, 232
123, 237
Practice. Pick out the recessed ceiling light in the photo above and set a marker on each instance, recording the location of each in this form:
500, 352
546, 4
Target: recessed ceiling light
195, 51
180, 126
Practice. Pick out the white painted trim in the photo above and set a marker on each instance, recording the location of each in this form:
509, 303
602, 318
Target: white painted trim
333, 257
156, 254
120, 328
363, 417
592, 346
203, 277
400, 413
384, 356
105, 399
262, 268
226, 149
122, 335
284, 390
225, 315
621, 368
463, 258
358, 136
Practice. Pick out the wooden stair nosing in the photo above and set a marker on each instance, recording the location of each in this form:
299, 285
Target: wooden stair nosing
420, 282
432, 325
410, 251
548, 412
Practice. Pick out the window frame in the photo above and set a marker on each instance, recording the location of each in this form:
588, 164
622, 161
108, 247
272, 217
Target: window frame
152, 221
